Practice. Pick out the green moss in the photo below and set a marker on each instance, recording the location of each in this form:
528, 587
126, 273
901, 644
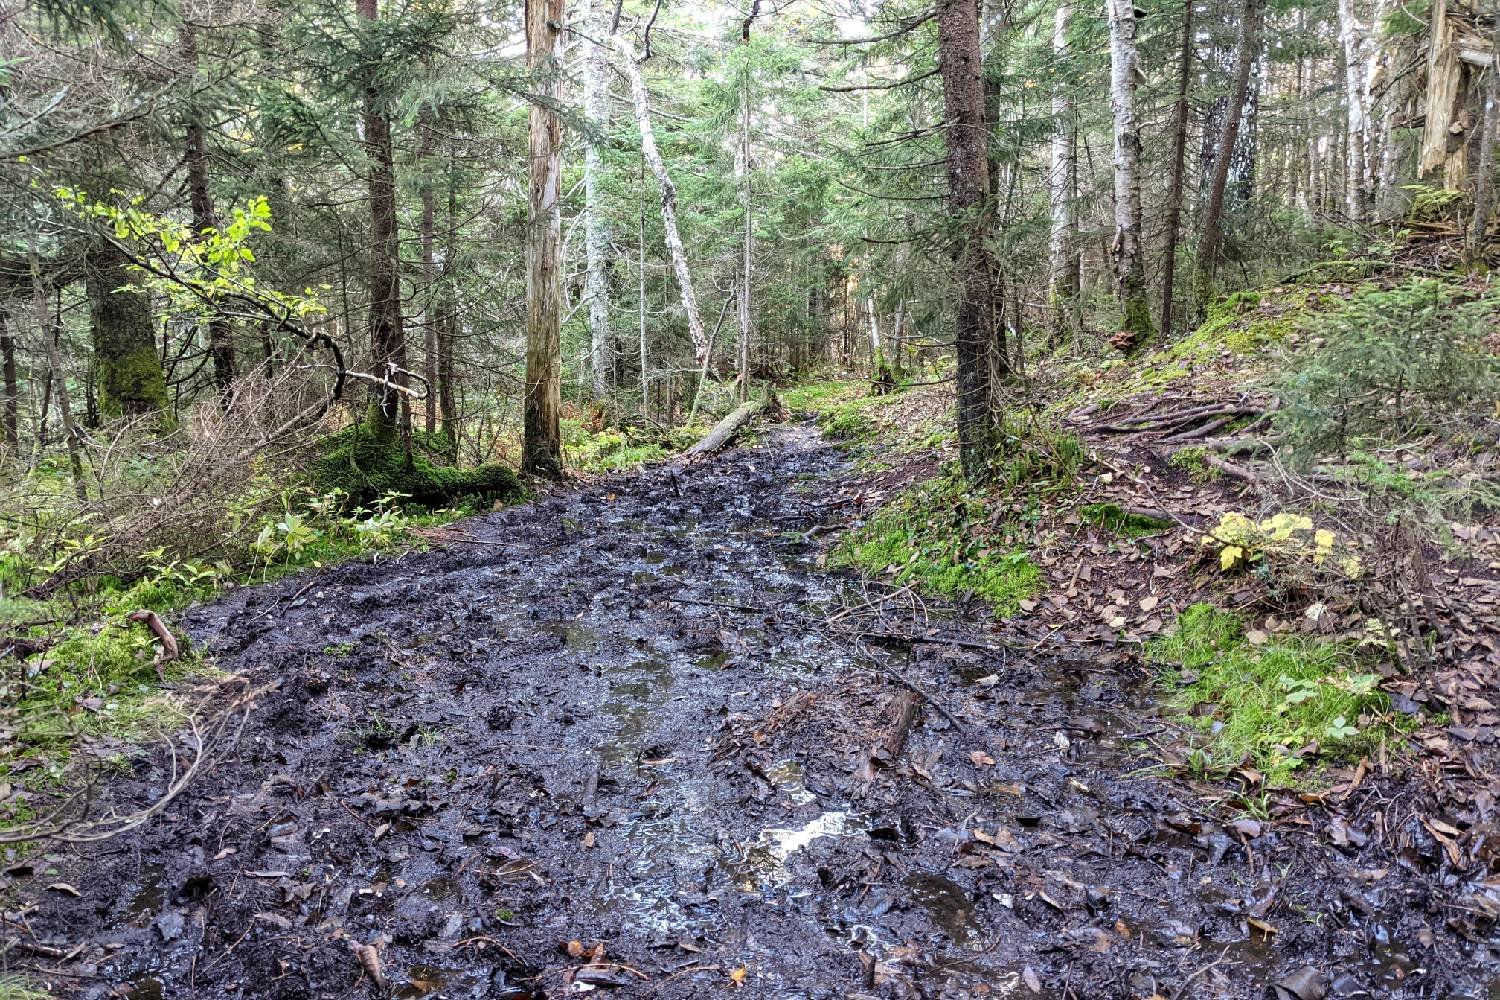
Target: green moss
934, 535
367, 466
1194, 462
1268, 705
1111, 517
1242, 323
618, 449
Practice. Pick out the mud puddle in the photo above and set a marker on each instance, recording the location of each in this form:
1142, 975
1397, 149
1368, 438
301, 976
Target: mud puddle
613, 753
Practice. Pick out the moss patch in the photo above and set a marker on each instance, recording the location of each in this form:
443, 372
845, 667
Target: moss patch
1112, 518
933, 535
1273, 705
367, 467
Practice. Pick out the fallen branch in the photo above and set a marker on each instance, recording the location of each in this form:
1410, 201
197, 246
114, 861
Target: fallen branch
902, 709
169, 649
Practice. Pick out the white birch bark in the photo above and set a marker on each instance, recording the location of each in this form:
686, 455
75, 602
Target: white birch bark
1126, 250
1062, 279
1352, 39
596, 231
642, 108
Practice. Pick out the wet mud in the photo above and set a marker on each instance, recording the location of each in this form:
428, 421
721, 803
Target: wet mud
607, 746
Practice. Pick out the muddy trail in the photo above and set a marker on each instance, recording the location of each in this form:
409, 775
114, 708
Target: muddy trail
631, 740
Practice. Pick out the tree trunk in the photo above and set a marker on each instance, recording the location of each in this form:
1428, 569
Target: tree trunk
448, 328
129, 372
1062, 188
387, 339
1210, 242
220, 332
51, 332
1128, 254
432, 312
1484, 180
675, 249
978, 315
10, 423
1443, 128
1179, 168
1352, 40
747, 242
541, 450
596, 231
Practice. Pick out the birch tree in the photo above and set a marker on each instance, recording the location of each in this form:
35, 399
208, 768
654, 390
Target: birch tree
596, 229
1062, 187
1353, 40
642, 108
541, 447
1126, 250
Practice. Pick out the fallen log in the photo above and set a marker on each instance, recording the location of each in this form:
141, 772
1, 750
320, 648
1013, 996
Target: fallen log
725, 430
902, 712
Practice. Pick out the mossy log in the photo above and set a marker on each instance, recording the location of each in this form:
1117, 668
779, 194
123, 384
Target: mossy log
725, 430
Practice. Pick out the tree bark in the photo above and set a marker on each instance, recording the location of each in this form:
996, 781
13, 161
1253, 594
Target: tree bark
432, 312
1443, 137
387, 339
1064, 272
129, 373
747, 242
10, 422
541, 449
979, 318
1484, 180
675, 249
1210, 242
596, 231
1127, 251
1179, 169
220, 332
1353, 40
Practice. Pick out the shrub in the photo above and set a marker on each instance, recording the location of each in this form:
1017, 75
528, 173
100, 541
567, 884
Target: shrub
1391, 365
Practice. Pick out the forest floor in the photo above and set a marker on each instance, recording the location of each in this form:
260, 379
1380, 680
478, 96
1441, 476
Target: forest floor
632, 738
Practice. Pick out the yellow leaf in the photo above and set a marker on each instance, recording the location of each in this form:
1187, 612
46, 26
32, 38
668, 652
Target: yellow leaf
1229, 556
737, 976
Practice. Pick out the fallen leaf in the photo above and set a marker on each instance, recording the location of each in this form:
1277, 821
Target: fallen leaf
1033, 983
64, 887
1147, 603
737, 976
981, 759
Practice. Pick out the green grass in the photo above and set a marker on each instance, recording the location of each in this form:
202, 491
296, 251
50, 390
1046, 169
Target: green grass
621, 449
933, 535
1263, 705
14, 987
843, 410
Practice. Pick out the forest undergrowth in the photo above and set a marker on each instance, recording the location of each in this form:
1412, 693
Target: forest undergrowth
1286, 516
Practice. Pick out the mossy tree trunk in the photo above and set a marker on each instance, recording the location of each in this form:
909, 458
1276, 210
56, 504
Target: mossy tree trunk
127, 367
